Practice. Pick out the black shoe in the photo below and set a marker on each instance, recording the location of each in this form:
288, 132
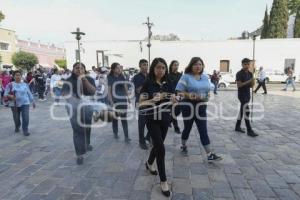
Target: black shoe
144, 146
184, 149
213, 157
89, 148
166, 193
79, 160
151, 172
251, 133
127, 140
239, 129
177, 130
265, 93
116, 136
17, 130
26, 134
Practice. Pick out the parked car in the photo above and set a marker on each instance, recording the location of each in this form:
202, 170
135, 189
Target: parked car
275, 76
228, 77
223, 83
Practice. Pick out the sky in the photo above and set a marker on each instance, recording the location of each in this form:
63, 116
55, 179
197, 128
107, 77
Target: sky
51, 21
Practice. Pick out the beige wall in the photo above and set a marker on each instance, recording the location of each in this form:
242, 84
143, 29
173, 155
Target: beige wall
7, 36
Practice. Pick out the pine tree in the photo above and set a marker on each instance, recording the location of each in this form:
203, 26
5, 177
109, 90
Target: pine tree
279, 19
2, 16
293, 6
265, 30
297, 25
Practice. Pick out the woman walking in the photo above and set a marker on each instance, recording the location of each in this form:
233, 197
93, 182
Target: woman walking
77, 89
173, 78
118, 98
154, 94
19, 97
194, 86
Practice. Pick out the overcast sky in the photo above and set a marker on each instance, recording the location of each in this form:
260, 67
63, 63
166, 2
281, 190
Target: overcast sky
53, 20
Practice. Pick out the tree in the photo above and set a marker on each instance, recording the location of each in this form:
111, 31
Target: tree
2, 16
279, 19
24, 60
266, 21
297, 25
62, 63
293, 6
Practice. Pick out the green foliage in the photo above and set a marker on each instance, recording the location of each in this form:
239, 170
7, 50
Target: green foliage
62, 63
293, 6
266, 21
279, 19
297, 25
24, 60
2, 16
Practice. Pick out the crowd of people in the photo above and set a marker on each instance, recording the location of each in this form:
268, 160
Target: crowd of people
161, 94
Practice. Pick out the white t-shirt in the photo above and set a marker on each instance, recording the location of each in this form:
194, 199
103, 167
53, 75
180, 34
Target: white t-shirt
55, 79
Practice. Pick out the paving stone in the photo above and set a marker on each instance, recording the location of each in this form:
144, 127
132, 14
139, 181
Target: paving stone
221, 189
202, 194
43, 166
286, 194
261, 188
244, 194
182, 186
45, 187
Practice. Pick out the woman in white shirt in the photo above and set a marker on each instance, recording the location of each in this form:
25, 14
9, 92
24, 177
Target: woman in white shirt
56, 85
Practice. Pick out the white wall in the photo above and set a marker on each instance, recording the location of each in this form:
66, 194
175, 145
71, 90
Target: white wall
270, 53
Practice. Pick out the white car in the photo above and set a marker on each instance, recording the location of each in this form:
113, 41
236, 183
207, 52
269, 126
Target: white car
227, 77
275, 76
223, 83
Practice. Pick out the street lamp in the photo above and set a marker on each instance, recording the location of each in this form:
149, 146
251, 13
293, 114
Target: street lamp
78, 38
149, 26
253, 63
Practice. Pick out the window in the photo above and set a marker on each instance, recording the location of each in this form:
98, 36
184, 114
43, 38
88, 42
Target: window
4, 46
224, 65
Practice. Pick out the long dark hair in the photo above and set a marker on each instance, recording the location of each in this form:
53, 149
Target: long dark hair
151, 75
113, 67
171, 65
194, 60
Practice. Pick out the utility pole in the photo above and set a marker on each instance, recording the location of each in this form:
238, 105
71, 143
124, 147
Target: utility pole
149, 26
78, 35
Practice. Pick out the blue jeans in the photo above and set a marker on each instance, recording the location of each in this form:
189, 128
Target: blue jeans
290, 82
17, 113
216, 87
81, 132
201, 123
57, 93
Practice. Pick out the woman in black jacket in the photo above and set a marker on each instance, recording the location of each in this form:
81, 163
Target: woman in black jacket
156, 97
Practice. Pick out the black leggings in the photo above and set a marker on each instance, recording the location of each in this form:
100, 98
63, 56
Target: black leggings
158, 132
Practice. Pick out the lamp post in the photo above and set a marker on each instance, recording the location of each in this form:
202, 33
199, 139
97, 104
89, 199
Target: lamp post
149, 26
78, 35
253, 63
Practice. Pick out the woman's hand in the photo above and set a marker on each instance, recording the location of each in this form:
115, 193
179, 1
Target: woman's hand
174, 99
158, 97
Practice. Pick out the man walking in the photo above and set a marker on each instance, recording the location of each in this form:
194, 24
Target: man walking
261, 80
244, 80
138, 81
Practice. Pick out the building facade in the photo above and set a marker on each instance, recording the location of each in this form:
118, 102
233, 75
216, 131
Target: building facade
7, 47
224, 56
46, 54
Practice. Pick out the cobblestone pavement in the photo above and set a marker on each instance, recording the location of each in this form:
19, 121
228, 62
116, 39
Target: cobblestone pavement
42, 166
